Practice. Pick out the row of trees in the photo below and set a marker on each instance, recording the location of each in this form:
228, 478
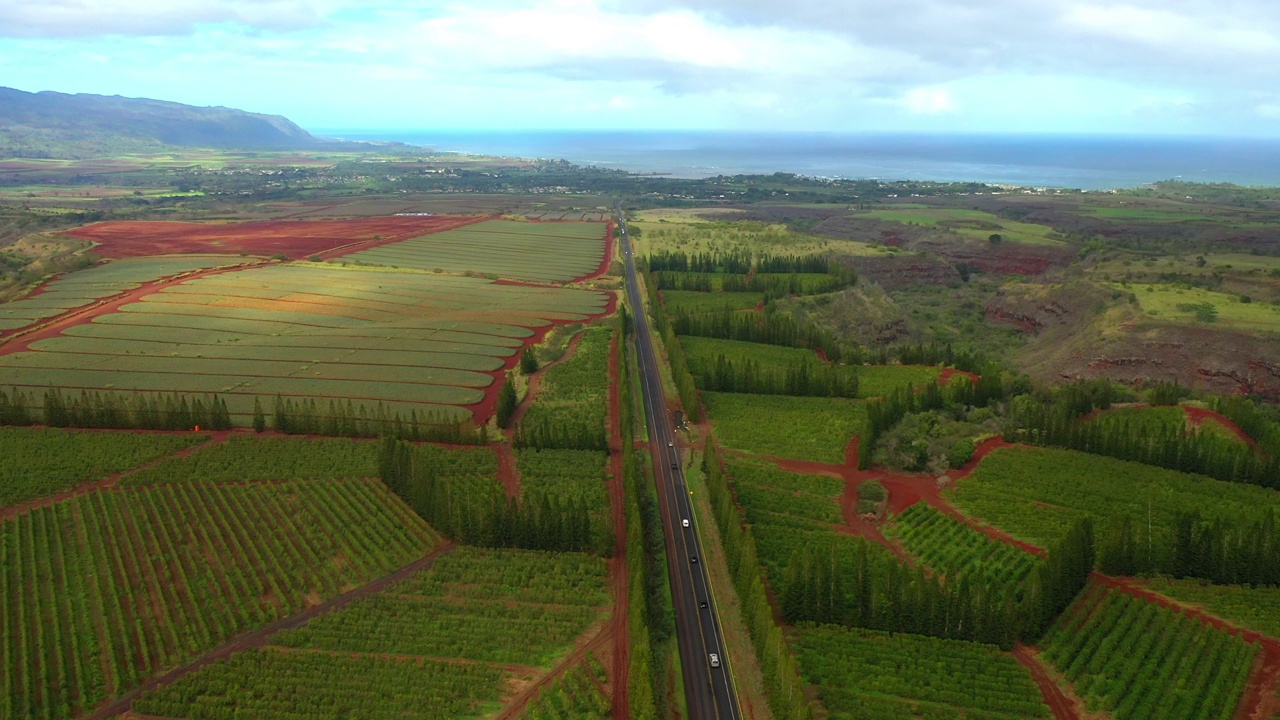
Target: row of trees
686, 386
739, 262
802, 378
476, 511
1220, 550
1058, 420
768, 327
131, 411
850, 582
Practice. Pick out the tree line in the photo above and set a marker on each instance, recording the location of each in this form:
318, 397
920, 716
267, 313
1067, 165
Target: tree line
1058, 419
804, 378
478, 512
1227, 551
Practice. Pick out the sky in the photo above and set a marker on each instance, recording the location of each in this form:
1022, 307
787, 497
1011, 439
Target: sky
1203, 67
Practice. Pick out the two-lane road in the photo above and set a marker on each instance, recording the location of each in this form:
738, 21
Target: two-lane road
708, 690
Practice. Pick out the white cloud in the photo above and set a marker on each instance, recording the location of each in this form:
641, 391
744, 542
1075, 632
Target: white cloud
929, 101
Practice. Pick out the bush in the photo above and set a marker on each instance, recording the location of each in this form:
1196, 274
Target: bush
960, 453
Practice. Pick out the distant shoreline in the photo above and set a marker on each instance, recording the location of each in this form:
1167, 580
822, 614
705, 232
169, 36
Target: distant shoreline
1052, 161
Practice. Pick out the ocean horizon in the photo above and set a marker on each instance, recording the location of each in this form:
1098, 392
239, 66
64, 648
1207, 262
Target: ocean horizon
1087, 162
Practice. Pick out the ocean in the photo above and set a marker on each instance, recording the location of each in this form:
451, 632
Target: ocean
1084, 162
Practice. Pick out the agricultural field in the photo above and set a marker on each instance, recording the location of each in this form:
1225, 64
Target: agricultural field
1036, 493
568, 478
570, 410
800, 428
324, 686
1140, 661
534, 251
1172, 303
776, 497
44, 461
413, 342
1255, 608
576, 695
702, 352
242, 458
85, 287
677, 301
449, 641
101, 591
952, 548
292, 239
872, 675
688, 234
973, 224
880, 380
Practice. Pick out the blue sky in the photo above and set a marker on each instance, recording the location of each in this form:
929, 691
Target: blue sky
1143, 66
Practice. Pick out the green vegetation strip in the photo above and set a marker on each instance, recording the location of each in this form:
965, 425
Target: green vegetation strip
1253, 607
252, 458
873, 675
800, 428
43, 461
1036, 493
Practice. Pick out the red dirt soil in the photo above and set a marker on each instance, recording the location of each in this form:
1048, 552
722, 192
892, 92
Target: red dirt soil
328, 238
1061, 706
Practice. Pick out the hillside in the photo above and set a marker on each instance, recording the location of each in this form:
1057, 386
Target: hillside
57, 125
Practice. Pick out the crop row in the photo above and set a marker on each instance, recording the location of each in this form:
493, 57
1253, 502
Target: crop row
42, 461
953, 548
576, 695
1138, 660
527, 576
1248, 606
874, 675
105, 589
243, 458
272, 684
773, 496
1036, 493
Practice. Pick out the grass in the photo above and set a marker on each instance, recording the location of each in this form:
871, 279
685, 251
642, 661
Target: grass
544, 252
800, 428
412, 341
973, 224
1172, 303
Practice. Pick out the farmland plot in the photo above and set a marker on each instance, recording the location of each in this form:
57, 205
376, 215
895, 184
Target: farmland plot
413, 342
455, 631
101, 591
542, 252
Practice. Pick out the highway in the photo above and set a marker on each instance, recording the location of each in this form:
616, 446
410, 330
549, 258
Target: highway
708, 690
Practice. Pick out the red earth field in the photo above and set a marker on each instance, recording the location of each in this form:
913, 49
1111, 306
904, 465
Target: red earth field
295, 239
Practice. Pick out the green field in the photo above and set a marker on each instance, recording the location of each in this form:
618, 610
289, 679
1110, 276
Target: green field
800, 428
973, 224
870, 675
954, 549
678, 301
574, 696
84, 287
99, 592
1172, 303
543, 252
412, 341
1139, 661
571, 408
243, 459
1255, 608
1036, 493
44, 461
447, 642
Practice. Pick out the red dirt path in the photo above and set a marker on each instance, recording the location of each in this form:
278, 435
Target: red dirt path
621, 706
1061, 706
294, 238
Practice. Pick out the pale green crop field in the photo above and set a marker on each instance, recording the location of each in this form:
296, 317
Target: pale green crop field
540, 252
84, 287
407, 340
